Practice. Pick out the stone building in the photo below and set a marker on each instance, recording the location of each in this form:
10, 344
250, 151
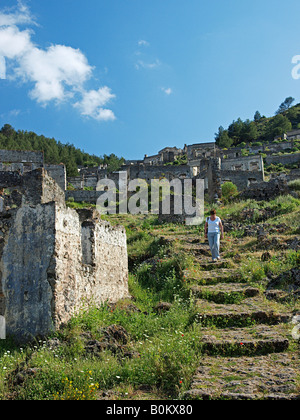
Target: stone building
166, 155
53, 260
26, 161
292, 135
195, 152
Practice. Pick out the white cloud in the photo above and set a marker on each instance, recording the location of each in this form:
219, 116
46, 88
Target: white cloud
2, 68
12, 113
143, 43
57, 73
167, 91
92, 104
17, 15
147, 65
14, 43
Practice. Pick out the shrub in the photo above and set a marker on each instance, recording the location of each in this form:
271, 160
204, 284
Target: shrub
229, 190
294, 185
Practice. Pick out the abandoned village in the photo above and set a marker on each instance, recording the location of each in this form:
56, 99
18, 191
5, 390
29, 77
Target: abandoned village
55, 259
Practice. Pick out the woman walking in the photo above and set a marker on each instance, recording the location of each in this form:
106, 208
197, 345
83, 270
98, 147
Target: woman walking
214, 232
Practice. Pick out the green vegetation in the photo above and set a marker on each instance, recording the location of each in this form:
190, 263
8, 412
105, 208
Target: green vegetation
261, 129
179, 160
54, 151
229, 191
295, 185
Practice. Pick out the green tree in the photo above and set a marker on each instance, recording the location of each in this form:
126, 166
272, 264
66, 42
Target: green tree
235, 131
222, 138
8, 131
257, 116
278, 126
113, 162
286, 104
249, 131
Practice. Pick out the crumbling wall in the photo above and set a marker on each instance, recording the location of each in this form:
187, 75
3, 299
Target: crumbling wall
31, 188
265, 191
59, 174
284, 159
214, 179
21, 156
245, 163
242, 179
90, 264
54, 260
85, 196
27, 252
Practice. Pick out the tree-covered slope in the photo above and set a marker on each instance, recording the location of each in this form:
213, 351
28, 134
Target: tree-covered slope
261, 128
54, 151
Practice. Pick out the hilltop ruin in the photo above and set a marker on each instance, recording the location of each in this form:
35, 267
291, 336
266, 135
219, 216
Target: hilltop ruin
203, 161
54, 259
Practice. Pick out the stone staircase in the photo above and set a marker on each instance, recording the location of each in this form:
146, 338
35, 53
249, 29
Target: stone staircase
248, 351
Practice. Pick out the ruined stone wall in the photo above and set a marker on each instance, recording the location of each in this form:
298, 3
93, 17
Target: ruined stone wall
25, 162
81, 196
242, 179
27, 251
18, 156
245, 163
214, 179
59, 174
31, 188
293, 175
265, 191
284, 159
147, 173
76, 181
267, 148
54, 260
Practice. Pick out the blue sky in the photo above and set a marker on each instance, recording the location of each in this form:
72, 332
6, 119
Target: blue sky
134, 76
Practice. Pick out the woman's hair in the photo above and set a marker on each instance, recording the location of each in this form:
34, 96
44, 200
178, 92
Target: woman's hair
213, 211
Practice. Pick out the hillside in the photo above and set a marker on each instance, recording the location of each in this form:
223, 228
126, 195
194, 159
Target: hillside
260, 129
55, 152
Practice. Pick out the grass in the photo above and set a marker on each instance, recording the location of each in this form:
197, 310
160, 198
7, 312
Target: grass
294, 185
165, 347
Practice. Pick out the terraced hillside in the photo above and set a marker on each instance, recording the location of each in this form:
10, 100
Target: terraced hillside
245, 307
248, 351
193, 329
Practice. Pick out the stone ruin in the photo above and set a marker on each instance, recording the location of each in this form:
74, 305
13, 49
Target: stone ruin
53, 260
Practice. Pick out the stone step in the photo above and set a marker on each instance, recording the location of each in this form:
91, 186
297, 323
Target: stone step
251, 311
208, 265
258, 340
225, 293
223, 275
272, 377
197, 250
